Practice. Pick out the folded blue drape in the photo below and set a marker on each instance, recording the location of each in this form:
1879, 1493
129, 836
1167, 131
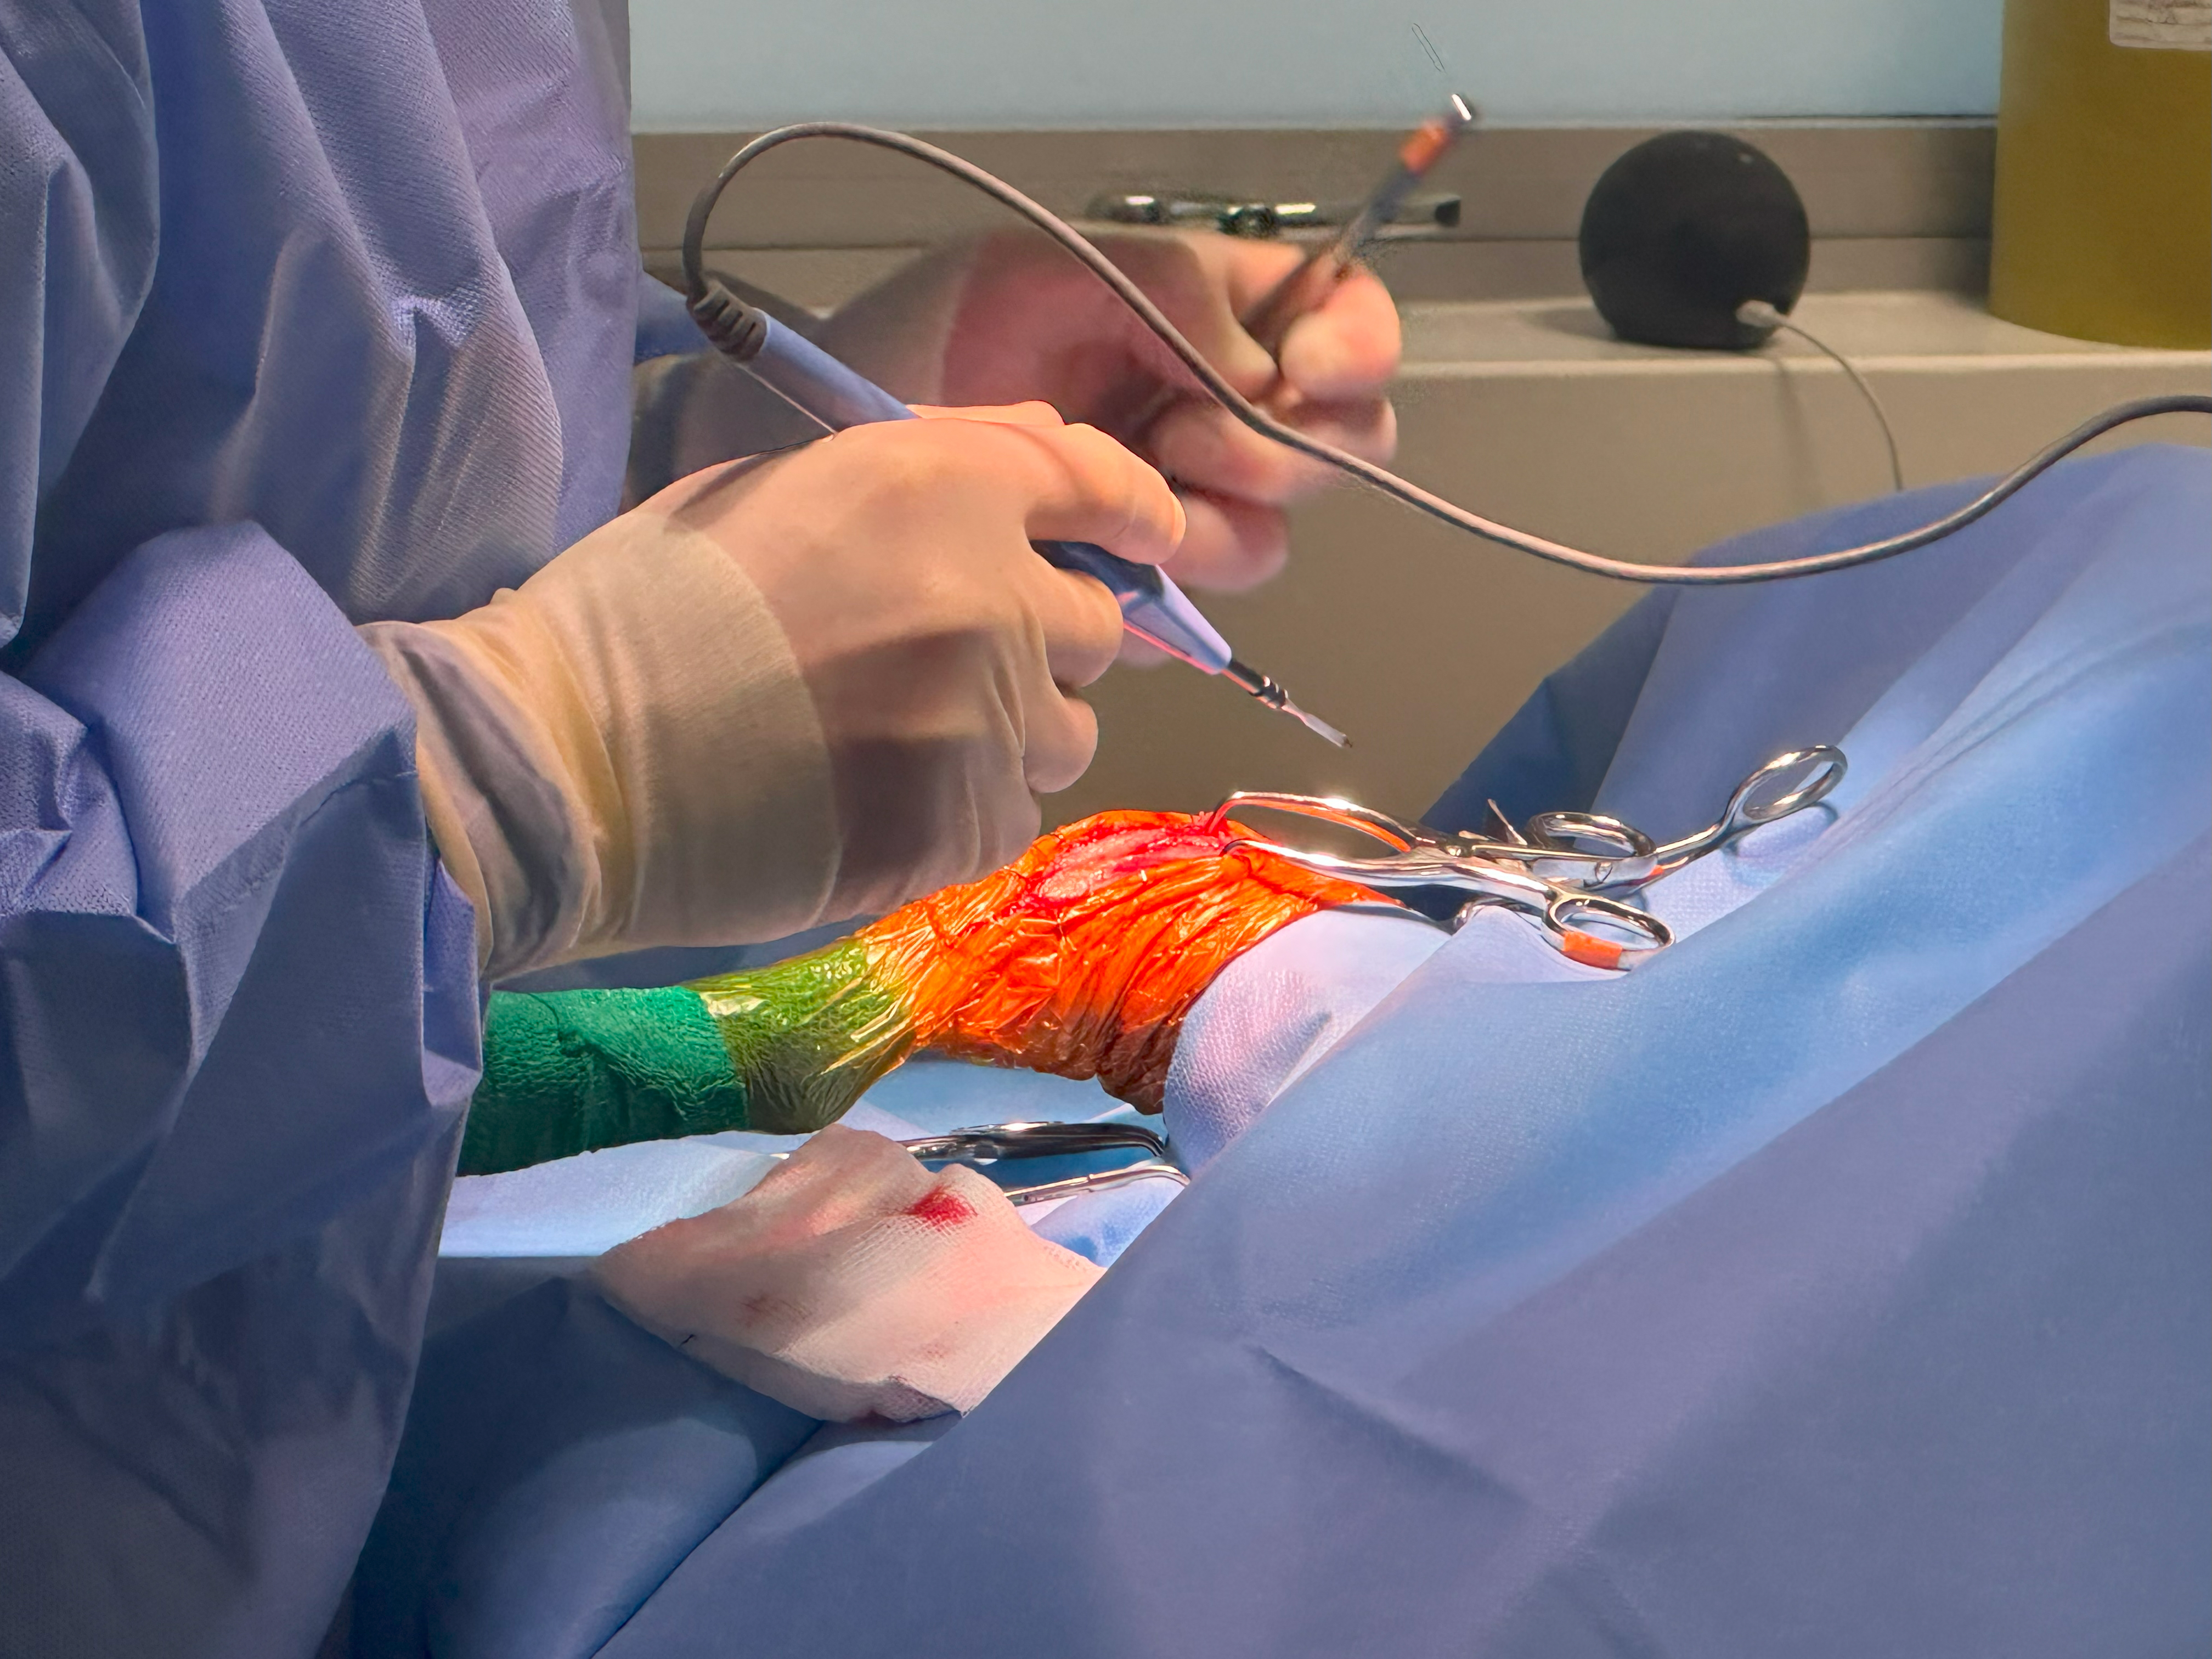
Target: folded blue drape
1833, 1284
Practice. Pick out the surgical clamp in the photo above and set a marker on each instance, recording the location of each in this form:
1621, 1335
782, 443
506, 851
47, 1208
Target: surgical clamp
1562, 869
1626, 858
991, 1143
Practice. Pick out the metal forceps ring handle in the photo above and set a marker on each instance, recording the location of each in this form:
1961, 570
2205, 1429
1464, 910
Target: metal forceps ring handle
1639, 861
1579, 927
1745, 810
1586, 928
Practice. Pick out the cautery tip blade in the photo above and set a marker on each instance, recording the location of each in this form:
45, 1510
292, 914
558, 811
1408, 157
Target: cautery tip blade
1314, 724
1269, 692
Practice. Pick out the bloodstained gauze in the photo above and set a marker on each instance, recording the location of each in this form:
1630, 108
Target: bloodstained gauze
941, 1208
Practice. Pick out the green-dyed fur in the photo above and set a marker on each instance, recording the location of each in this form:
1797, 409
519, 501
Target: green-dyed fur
573, 1071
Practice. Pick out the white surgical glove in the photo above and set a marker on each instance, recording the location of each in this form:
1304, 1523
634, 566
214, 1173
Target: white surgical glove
785, 691
1011, 315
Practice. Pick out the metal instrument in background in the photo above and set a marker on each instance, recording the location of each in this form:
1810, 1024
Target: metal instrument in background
1262, 221
1567, 871
1308, 283
1270, 320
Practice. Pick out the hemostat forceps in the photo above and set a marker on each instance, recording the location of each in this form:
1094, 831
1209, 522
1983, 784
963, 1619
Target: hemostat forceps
1562, 869
993, 1142
1588, 928
1602, 854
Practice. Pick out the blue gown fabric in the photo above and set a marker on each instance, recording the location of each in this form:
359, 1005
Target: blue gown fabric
311, 314
1833, 1284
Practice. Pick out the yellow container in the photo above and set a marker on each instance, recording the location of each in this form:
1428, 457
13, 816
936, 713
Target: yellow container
2103, 219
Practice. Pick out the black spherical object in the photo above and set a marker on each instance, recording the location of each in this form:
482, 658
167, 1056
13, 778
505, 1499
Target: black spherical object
1683, 229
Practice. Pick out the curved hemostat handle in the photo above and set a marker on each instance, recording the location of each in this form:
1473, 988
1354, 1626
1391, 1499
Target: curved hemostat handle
1750, 806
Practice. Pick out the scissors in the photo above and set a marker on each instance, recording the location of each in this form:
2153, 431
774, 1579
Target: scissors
1562, 870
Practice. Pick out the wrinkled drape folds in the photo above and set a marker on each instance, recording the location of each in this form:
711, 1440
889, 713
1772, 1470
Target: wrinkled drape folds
1832, 1285
309, 315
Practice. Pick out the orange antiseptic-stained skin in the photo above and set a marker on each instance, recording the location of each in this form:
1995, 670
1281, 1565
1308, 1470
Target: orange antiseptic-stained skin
1082, 956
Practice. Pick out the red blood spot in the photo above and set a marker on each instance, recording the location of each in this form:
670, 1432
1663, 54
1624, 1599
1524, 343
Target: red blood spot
941, 1208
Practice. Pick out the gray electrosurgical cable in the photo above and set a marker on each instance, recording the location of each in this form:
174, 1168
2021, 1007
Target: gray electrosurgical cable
1759, 315
1382, 478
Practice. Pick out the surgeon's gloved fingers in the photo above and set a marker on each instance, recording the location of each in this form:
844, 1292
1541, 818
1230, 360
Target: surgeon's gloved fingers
1206, 294
1232, 545
1368, 427
1346, 346
1011, 315
1137, 654
935, 642
1079, 624
1082, 625
1089, 488
1061, 745
1081, 484
1029, 309
1034, 412
1201, 444
1343, 342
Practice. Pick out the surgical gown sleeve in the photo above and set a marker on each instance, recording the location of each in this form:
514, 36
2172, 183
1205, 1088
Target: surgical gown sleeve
227, 1004
237, 1001
239, 1012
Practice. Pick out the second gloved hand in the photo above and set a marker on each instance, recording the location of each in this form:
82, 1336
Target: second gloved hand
1007, 316
783, 691
1011, 315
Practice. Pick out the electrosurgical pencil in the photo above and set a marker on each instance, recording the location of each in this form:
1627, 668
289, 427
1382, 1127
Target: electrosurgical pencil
1270, 320
834, 396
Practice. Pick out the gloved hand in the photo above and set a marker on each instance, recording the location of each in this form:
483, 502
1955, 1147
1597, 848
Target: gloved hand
782, 692
1009, 316
1012, 316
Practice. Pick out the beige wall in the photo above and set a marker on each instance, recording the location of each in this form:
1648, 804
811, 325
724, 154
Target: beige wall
1420, 641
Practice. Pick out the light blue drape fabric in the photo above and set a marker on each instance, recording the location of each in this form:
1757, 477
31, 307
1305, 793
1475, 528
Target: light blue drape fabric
1833, 1284
310, 314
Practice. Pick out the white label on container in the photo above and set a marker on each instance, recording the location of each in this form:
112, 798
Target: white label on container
2172, 25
